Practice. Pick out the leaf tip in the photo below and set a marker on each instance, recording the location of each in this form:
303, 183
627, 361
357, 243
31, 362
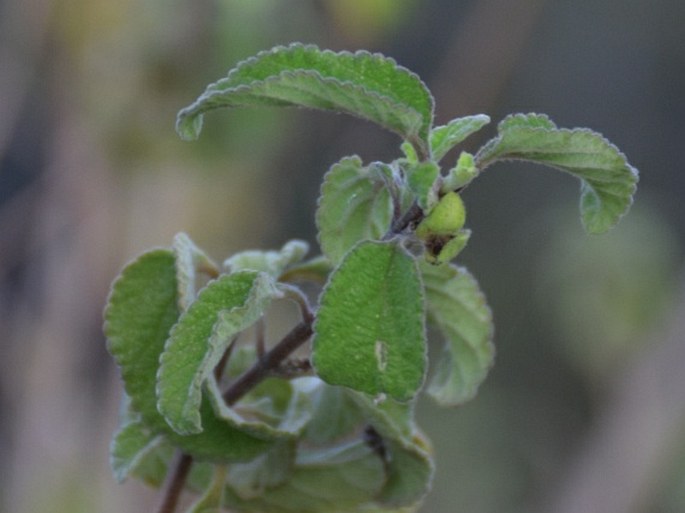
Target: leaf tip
188, 125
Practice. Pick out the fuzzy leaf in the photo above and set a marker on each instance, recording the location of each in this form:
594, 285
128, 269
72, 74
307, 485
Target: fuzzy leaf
145, 290
460, 175
154, 464
457, 307
410, 472
130, 445
189, 260
392, 419
224, 308
608, 182
271, 262
335, 414
446, 137
421, 179
273, 410
274, 468
336, 479
212, 499
354, 206
407, 452
369, 332
531, 120
141, 310
315, 269
369, 86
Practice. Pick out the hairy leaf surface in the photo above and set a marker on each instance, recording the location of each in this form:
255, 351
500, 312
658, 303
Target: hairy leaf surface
145, 291
409, 465
422, 181
336, 479
212, 499
335, 414
140, 313
315, 269
446, 137
130, 445
273, 410
369, 332
366, 85
271, 262
457, 307
608, 182
189, 260
354, 206
224, 308
410, 471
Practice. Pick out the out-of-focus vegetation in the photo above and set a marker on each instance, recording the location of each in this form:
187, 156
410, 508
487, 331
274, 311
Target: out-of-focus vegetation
583, 412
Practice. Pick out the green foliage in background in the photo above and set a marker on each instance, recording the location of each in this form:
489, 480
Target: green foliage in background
278, 427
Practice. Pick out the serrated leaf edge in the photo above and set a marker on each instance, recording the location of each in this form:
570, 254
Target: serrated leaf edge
482, 163
356, 161
432, 389
215, 348
199, 107
289, 429
194, 112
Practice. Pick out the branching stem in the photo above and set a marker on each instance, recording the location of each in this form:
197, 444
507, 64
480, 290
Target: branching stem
262, 368
269, 362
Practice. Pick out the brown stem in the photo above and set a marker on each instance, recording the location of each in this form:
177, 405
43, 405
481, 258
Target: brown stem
412, 215
269, 362
173, 486
219, 369
260, 370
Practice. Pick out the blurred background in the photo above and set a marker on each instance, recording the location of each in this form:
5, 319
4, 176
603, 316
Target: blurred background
585, 409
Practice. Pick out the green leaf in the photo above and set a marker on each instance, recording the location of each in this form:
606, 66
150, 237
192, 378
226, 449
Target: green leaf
369, 86
391, 419
140, 312
130, 445
531, 120
224, 308
608, 182
273, 410
421, 179
211, 501
274, 263
446, 137
406, 451
409, 152
189, 260
339, 479
153, 465
460, 175
354, 206
335, 413
252, 479
369, 334
457, 307
315, 269
410, 472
